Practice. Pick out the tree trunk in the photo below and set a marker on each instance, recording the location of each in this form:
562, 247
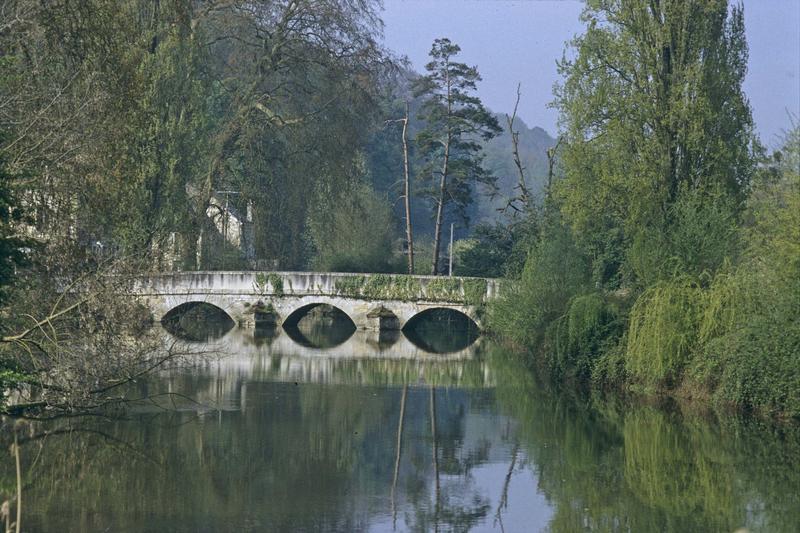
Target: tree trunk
437, 488
397, 455
551, 162
437, 235
407, 193
524, 194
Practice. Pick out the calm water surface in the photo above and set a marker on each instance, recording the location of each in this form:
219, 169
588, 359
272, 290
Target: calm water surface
328, 432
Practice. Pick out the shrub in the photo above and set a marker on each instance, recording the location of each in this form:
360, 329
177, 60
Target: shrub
575, 340
554, 271
663, 331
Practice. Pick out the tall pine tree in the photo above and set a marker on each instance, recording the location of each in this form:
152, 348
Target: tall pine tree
455, 123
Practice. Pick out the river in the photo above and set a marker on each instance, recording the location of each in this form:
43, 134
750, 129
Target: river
334, 431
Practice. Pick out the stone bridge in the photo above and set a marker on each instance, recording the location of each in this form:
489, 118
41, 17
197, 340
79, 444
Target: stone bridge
371, 301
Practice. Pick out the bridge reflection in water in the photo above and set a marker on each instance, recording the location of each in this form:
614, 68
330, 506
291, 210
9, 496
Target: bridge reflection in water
366, 357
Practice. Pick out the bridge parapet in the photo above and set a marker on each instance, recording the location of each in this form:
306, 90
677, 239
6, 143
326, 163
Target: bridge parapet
397, 287
372, 301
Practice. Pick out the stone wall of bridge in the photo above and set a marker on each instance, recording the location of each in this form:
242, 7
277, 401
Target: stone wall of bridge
372, 301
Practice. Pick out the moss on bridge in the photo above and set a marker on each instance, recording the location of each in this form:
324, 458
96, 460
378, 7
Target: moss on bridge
401, 287
267, 280
409, 288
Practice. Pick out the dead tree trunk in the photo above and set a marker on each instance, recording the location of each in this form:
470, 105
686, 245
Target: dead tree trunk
397, 455
437, 488
524, 195
551, 162
407, 195
437, 235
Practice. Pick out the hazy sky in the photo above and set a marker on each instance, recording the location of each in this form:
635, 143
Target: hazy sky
513, 41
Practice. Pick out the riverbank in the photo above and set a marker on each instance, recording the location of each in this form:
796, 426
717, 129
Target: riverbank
668, 343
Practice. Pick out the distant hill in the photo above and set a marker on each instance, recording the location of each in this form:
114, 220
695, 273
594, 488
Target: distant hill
533, 145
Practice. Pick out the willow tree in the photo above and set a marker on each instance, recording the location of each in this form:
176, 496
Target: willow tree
455, 123
654, 115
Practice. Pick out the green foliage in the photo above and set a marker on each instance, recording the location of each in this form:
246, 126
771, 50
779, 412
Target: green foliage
443, 288
12, 245
702, 234
661, 204
269, 283
350, 286
659, 145
475, 291
455, 120
380, 286
276, 282
158, 108
486, 254
663, 331
11, 375
409, 288
751, 337
353, 232
554, 272
576, 339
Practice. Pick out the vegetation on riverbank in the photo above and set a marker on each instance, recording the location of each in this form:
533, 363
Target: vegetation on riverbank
667, 257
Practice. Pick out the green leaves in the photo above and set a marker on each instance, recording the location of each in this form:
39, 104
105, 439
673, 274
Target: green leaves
455, 120
653, 110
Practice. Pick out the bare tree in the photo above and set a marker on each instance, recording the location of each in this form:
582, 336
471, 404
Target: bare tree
552, 152
407, 195
407, 191
524, 195
92, 339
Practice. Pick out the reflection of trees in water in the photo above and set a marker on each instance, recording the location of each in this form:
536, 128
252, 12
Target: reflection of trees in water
322, 457
305, 457
259, 464
612, 467
450, 500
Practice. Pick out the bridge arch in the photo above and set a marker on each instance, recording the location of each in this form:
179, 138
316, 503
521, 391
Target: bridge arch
440, 313
321, 333
197, 320
453, 330
295, 316
185, 307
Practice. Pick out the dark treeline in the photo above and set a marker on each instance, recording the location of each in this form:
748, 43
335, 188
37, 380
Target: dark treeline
127, 119
666, 256
145, 127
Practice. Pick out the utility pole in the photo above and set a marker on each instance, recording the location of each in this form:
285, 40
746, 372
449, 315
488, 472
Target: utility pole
450, 271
